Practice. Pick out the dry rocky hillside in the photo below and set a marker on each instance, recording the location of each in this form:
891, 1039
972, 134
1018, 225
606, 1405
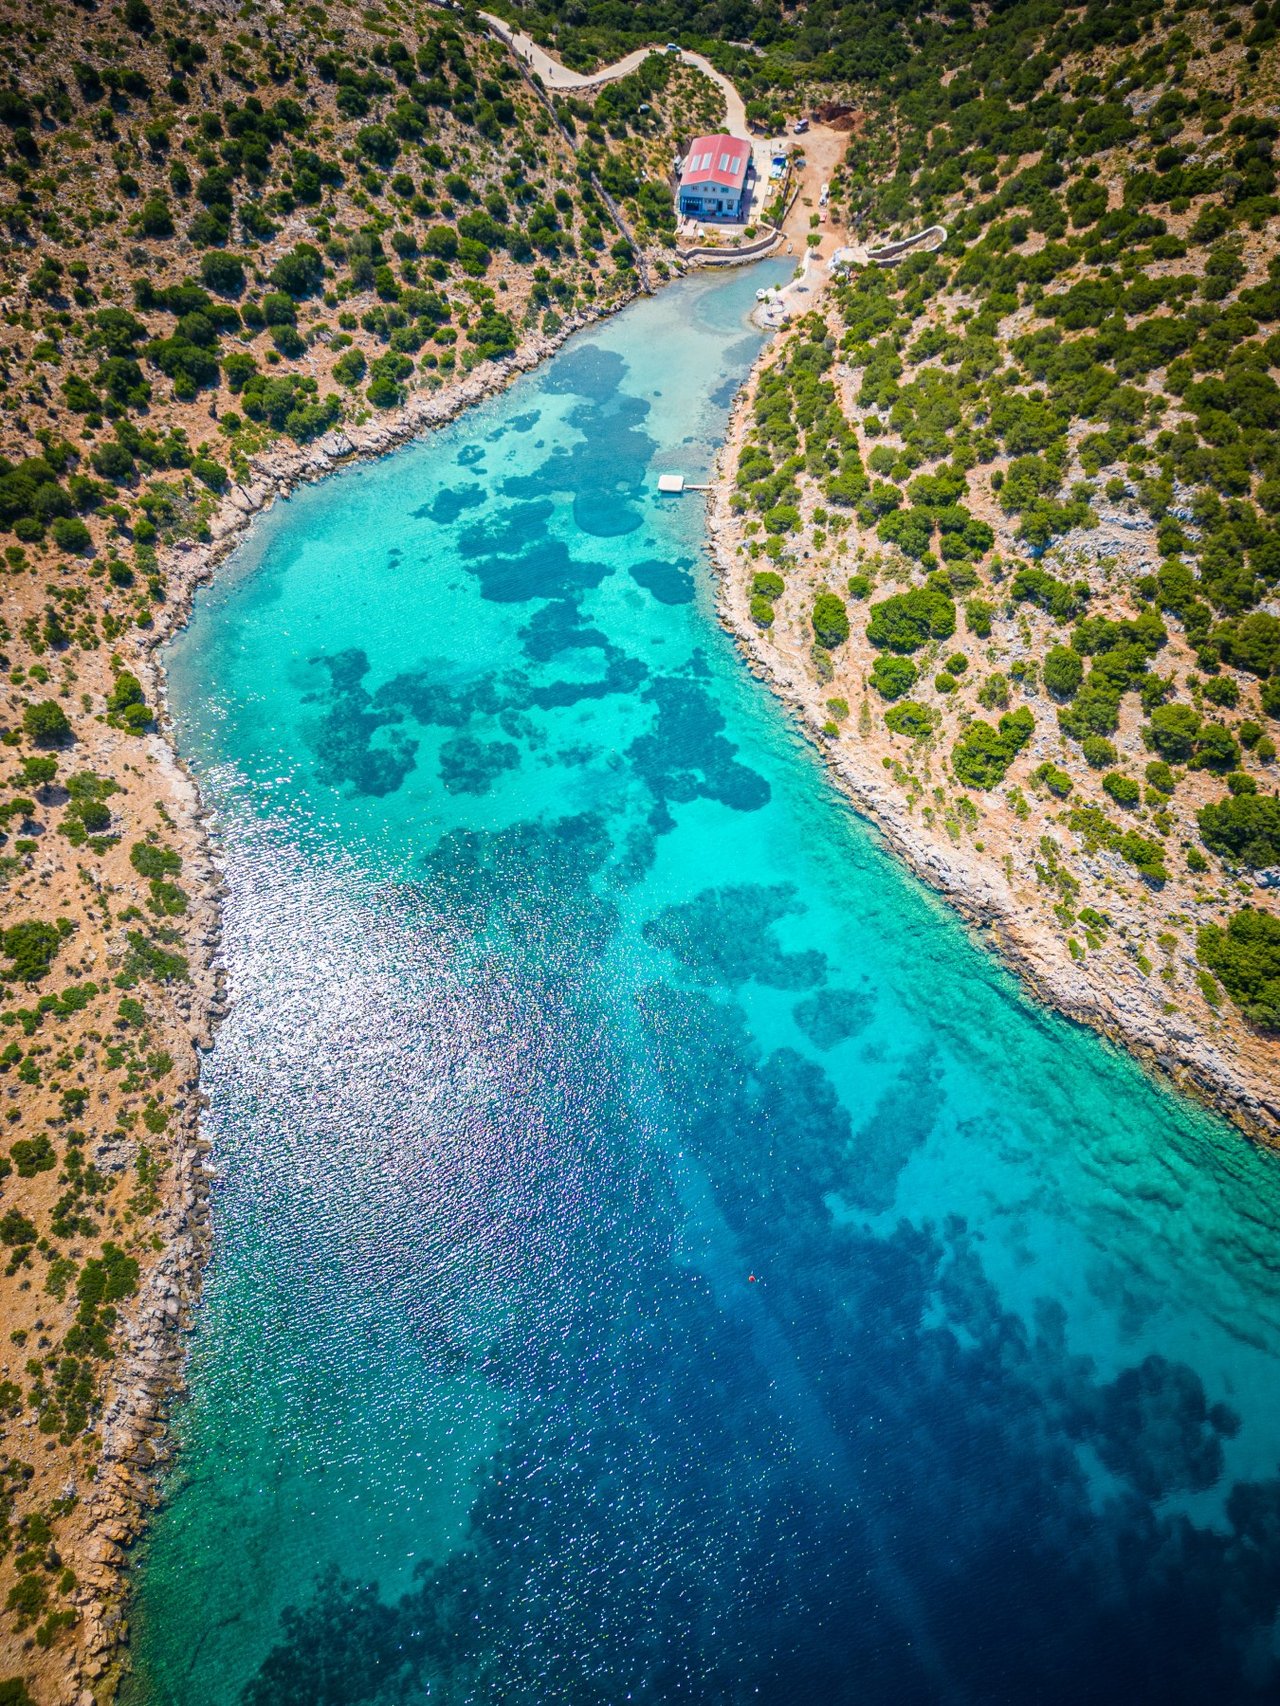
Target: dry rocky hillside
236, 243
1002, 518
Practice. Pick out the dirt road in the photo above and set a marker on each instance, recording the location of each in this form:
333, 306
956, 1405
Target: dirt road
556, 76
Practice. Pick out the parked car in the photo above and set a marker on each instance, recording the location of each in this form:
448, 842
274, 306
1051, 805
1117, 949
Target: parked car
801, 125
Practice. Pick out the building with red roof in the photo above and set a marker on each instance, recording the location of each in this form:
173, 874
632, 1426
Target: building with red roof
715, 178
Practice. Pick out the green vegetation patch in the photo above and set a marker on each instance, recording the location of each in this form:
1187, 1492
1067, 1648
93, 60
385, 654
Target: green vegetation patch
983, 754
1246, 958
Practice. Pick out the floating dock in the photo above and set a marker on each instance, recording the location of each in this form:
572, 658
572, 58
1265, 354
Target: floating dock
676, 483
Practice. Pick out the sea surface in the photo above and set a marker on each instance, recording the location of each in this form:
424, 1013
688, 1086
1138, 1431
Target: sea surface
658, 1255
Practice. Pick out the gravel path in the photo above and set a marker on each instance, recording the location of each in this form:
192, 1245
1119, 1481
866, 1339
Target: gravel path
557, 76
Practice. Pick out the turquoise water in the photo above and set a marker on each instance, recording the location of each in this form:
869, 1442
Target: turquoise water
657, 1255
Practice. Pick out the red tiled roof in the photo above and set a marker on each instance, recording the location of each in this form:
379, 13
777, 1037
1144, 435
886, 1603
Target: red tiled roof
716, 160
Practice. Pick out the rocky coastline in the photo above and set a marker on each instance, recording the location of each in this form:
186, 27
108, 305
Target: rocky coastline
969, 878
150, 1371
148, 1375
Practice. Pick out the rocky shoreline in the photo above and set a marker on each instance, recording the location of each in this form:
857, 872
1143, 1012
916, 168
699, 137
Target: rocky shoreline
149, 1373
149, 1370
281, 470
972, 881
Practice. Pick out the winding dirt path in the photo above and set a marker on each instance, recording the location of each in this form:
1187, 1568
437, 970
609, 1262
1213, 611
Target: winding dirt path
556, 76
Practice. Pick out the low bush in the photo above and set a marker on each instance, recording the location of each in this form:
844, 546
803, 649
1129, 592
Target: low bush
1063, 671
45, 722
911, 719
1048, 775
1124, 790
830, 620
907, 620
1244, 828
1246, 958
31, 947
892, 677
982, 756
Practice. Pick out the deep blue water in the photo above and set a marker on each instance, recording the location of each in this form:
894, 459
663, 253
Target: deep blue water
658, 1256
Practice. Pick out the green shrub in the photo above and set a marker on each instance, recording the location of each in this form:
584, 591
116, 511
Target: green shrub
1048, 775
1244, 828
146, 959
978, 616
32, 1155
95, 817
31, 947
993, 695
892, 677
982, 756
768, 585
155, 218
1251, 643
1063, 671
1146, 855
1124, 790
45, 722
238, 369
222, 272
278, 309
127, 705
385, 390
289, 341
350, 367
830, 620
38, 772
152, 861
1246, 958
911, 719
1221, 690
27, 1599
300, 272
16, 1230
1216, 748
761, 612
1098, 752
1056, 598
167, 899
209, 473
907, 620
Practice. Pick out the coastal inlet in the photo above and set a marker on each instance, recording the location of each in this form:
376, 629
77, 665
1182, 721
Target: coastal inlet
657, 1255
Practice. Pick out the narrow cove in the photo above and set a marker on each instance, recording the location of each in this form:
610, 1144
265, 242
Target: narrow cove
657, 1254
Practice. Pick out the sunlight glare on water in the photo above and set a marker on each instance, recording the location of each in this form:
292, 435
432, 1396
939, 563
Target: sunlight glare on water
657, 1255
